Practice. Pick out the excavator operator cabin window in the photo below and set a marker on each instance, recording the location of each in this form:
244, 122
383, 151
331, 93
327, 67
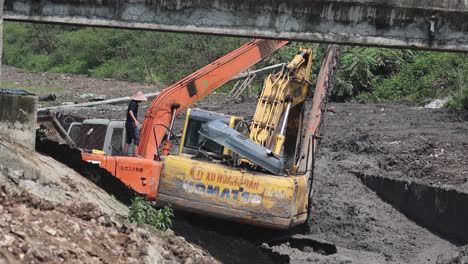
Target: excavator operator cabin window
116, 141
195, 141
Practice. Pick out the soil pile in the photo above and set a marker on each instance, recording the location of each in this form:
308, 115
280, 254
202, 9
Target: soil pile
427, 145
50, 213
36, 230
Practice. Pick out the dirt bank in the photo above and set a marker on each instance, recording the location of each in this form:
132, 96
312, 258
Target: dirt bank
429, 145
49, 213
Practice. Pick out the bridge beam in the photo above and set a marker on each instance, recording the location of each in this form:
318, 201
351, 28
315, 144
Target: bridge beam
422, 24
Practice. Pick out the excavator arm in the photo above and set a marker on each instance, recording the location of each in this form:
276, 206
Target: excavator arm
143, 174
179, 96
279, 198
281, 92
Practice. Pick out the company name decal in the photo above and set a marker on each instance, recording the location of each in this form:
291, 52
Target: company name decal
198, 173
225, 193
211, 187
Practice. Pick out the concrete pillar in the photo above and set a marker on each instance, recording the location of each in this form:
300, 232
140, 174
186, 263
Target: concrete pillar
18, 117
1, 37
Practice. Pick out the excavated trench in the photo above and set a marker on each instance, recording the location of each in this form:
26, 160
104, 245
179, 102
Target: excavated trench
444, 211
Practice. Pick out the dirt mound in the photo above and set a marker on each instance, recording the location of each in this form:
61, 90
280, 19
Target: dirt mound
459, 256
357, 143
49, 179
50, 213
35, 230
101, 177
429, 145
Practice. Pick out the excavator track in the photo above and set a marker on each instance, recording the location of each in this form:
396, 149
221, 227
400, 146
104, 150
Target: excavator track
72, 158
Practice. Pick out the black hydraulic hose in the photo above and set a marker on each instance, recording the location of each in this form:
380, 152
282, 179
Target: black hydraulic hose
170, 131
156, 139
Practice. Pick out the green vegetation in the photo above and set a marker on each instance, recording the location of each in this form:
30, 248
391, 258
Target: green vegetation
111, 53
366, 74
41, 134
143, 212
7, 84
460, 98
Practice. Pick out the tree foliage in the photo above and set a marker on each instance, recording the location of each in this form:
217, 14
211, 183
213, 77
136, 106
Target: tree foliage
365, 74
112, 53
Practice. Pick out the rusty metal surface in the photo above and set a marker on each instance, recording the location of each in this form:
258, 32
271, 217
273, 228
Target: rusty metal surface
53, 130
322, 90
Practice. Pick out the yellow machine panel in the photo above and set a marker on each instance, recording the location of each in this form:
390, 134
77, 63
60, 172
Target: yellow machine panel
262, 199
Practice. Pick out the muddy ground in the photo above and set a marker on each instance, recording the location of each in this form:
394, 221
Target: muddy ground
69, 88
424, 145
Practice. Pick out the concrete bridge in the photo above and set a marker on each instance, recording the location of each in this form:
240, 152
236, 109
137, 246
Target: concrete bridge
422, 24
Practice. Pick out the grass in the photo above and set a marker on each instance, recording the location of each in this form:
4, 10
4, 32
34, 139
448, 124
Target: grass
8, 84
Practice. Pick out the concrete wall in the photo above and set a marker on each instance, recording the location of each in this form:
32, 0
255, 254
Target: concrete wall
18, 119
394, 23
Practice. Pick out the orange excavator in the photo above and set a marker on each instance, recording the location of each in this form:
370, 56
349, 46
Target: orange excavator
262, 177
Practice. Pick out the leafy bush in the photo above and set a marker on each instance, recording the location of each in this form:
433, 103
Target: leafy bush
459, 101
362, 69
143, 212
429, 75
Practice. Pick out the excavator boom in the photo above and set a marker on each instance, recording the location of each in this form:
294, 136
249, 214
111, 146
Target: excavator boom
179, 96
143, 174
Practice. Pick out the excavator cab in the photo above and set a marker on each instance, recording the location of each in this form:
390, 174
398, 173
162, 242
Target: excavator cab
193, 142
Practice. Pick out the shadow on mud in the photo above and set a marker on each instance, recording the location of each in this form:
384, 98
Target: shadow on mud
231, 242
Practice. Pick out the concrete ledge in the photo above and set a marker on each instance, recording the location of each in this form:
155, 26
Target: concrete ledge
424, 24
18, 118
441, 210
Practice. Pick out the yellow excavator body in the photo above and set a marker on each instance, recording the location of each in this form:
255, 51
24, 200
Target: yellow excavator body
196, 182
207, 188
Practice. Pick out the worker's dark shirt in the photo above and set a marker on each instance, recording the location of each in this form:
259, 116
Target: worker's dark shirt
132, 106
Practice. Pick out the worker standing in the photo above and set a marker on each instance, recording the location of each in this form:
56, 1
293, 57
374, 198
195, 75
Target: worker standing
131, 124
